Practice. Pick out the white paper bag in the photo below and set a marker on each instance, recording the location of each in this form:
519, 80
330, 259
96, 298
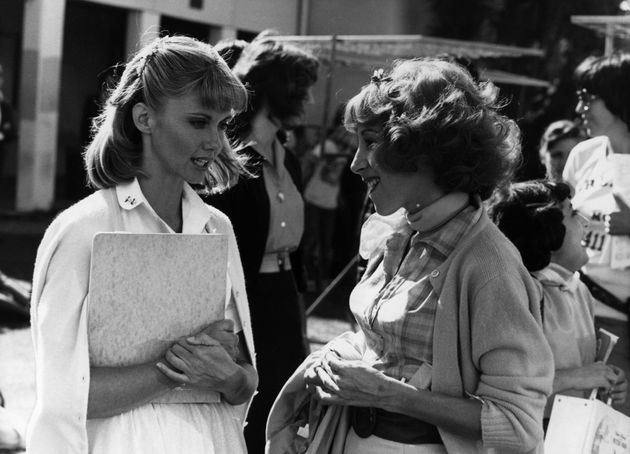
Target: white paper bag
585, 426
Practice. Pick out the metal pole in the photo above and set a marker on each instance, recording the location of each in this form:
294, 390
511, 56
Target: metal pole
610, 38
332, 285
328, 94
303, 17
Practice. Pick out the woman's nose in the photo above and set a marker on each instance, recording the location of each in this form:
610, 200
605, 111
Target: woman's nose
358, 162
213, 142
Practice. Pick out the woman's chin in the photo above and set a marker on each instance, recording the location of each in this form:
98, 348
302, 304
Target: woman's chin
384, 210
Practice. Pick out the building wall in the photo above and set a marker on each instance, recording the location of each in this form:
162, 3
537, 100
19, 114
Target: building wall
250, 15
10, 55
94, 39
365, 17
10, 45
372, 17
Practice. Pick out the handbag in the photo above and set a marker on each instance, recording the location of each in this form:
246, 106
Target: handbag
586, 426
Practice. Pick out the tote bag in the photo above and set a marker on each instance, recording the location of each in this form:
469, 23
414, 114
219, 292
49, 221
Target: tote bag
586, 426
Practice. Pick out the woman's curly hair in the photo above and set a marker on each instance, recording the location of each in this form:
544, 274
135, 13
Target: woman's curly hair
530, 215
433, 114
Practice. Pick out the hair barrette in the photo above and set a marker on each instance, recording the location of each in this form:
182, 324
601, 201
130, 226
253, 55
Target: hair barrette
148, 57
379, 76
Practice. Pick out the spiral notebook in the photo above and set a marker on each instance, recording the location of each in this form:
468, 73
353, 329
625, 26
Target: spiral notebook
148, 290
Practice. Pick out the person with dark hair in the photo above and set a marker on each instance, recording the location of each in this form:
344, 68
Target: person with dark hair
450, 356
322, 172
595, 170
538, 218
268, 214
230, 50
556, 143
161, 129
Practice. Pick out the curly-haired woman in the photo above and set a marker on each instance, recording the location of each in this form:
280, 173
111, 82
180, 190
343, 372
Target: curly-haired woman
450, 355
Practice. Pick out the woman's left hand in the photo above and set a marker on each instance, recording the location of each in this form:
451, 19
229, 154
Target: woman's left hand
203, 364
349, 382
619, 389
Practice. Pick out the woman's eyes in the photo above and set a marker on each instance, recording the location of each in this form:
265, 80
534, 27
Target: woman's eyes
371, 144
202, 123
198, 123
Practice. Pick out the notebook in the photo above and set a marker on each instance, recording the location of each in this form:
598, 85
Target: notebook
148, 290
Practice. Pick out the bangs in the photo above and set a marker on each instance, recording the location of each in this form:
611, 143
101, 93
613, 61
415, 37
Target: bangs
221, 92
369, 107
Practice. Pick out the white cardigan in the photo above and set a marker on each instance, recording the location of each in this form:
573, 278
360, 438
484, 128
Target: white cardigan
59, 315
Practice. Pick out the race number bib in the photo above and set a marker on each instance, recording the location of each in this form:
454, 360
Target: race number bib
593, 198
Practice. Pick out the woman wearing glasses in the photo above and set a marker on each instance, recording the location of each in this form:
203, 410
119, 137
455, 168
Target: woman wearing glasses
595, 169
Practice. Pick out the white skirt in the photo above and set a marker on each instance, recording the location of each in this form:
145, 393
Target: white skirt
214, 428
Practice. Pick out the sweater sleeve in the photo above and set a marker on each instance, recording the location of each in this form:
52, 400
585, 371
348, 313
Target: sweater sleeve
515, 364
59, 329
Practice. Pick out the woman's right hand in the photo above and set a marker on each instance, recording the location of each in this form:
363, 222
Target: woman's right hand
316, 374
205, 364
221, 331
594, 375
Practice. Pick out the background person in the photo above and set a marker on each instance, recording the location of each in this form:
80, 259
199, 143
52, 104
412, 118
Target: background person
538, 218
322, 175
557, 141
453, 357
268, 214
602, 193
162, 128
230, 50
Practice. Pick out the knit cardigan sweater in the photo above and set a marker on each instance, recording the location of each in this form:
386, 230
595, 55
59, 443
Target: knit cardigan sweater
488, 342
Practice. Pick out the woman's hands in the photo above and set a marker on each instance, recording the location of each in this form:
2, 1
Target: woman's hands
204, 363
223, 332
213, 360
349, 382
607, 377
619, 390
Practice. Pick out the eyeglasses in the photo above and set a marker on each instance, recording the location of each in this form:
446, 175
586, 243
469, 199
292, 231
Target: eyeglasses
585, 98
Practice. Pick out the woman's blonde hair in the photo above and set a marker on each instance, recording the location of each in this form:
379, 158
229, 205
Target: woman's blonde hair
168, 67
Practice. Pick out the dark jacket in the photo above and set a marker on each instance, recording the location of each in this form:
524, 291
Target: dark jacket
247, 206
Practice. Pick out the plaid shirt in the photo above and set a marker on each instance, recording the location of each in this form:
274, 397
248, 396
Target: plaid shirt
395, 304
